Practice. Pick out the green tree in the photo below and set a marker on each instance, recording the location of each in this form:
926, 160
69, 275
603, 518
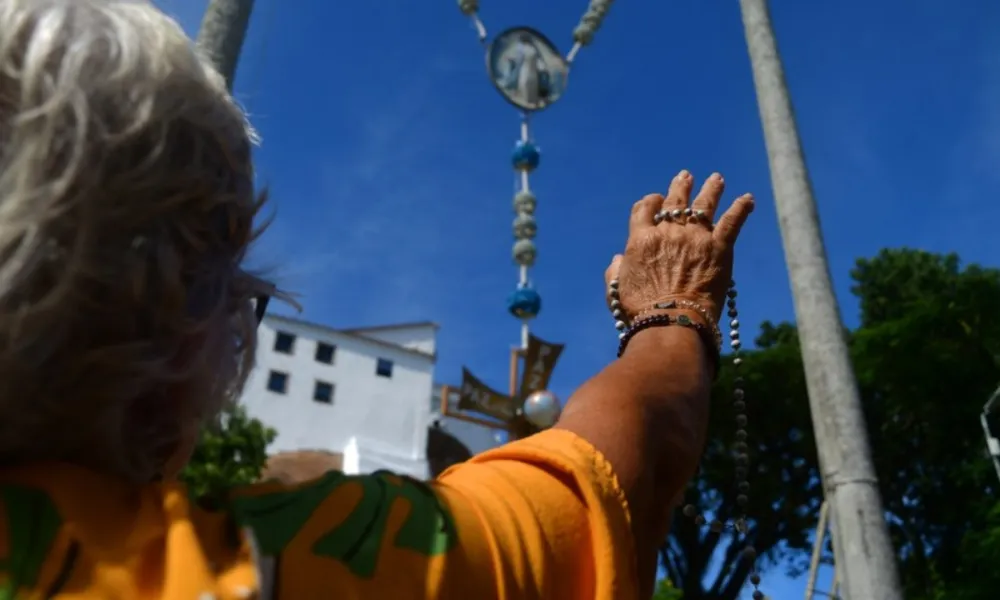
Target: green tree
926, 355
666, 591
230, 452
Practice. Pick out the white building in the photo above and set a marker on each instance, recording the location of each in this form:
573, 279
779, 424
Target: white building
359, 392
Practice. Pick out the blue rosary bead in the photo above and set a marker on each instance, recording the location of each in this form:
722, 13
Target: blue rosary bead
524, 302
526, 156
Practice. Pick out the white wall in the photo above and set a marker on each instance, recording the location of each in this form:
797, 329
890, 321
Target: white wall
386, 417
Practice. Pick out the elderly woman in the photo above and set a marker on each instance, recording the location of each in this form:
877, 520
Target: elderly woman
126, 206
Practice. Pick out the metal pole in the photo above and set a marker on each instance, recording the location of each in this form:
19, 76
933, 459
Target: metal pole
817, 551
223, 29
864, 555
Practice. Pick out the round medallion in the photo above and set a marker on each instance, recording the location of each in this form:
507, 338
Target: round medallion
526, 68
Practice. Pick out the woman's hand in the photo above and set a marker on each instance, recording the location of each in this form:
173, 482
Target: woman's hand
674, 252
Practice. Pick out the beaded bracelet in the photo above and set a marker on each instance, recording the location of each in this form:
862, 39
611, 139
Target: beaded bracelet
689, 305
663, 320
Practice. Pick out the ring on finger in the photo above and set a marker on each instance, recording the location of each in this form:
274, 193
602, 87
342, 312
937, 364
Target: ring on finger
674, 215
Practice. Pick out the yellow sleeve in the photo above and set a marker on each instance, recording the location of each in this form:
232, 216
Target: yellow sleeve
540, 518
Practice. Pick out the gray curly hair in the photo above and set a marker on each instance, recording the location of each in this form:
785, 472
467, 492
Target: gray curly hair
126, 207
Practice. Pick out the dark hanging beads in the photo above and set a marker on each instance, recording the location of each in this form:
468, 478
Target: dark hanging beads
741, 456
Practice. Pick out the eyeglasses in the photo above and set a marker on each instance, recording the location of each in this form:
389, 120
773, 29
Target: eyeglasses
261, 292
260, 306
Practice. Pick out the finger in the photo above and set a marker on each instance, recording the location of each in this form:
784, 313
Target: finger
643, 211
708, 198
611, 273
679, 192
731, 222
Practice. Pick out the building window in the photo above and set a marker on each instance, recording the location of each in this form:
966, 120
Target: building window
324, 353
383, 368
323, 392
283, 342
277, 382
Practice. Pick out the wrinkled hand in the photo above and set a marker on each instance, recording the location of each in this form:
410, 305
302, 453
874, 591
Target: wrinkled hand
679, 257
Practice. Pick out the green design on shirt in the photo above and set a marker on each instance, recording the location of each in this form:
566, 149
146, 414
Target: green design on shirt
278, 517
32, 525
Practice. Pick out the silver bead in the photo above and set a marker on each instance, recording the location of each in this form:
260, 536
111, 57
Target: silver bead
616, 304
687, 212
700, 215
525, 253
735, 344
658, 217
613, 284
735, 323
621, 335
620, 325
676, 213
734, 334
737, 361
737, 394
617, 314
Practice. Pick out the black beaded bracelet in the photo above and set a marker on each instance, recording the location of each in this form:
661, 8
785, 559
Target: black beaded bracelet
664, 320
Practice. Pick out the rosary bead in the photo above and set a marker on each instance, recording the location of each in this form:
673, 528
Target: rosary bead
734, 335
617, 314
735, 323
733, 313
716, 526
740, 447
738, 394
616, 304
755, 579
758, 595
742, 459
613, 284
737, 361
735, 344
743, 487
525, 227
741, 421
731, 293
699, 520
675, 213
620, 325
741, 435
525, 156
749, 553
525, 202
690, 510
739, 406
468, 7
687, 212
525, 252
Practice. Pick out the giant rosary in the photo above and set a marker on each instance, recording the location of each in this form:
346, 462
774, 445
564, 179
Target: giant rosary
531, 74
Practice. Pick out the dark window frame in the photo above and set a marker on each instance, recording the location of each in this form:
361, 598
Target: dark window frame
284, 381
320, 384
279, 336
380, 371
323, 346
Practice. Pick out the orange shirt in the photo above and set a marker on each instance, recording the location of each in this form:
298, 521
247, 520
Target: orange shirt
540, 518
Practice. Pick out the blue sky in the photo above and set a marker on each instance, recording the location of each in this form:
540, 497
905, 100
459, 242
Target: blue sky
386, 149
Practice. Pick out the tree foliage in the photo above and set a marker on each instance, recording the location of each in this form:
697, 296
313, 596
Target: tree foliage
231, 452
926, 357
666, 591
